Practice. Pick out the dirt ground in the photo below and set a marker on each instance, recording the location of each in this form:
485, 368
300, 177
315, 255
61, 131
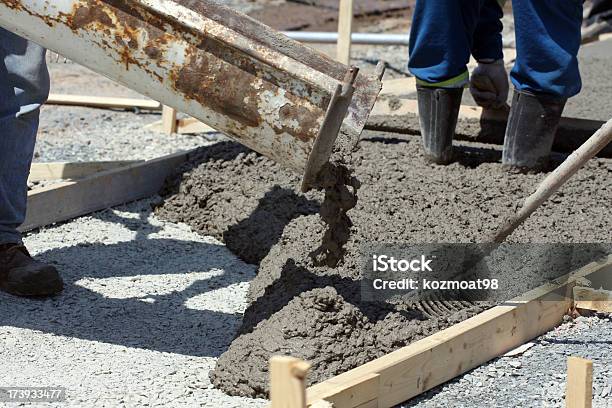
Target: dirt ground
315, 312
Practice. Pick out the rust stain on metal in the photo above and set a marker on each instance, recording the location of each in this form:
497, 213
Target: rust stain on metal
305, 118
86, 15
14, 4
222, 88
231, 84
244, 88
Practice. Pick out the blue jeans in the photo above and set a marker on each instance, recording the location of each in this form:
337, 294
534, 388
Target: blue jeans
24, 87
445, 32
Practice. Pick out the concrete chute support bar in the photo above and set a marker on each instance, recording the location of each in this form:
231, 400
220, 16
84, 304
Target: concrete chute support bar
268, 92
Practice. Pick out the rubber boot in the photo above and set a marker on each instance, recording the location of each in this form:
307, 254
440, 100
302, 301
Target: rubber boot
438, 112
531, 130
21, 275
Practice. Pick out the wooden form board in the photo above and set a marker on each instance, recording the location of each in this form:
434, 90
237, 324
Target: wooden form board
404, 107
414, 369
579, 392
63, 201
184, 126
395, 114
593, 299
102, 102
74, 170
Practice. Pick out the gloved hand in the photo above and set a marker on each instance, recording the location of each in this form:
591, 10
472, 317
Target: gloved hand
489, 84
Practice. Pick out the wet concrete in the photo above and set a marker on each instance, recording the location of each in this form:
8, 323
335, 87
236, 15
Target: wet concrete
593, 101
313, 311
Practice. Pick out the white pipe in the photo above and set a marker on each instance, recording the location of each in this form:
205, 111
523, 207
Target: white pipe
357, 38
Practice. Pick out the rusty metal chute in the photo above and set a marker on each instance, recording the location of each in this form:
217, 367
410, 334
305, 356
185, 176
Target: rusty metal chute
266, 91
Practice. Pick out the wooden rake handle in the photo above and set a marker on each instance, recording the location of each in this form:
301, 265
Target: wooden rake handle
556, 179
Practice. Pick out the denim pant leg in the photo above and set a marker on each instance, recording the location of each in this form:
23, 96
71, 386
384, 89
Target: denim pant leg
547, 43
24, 87
445, 32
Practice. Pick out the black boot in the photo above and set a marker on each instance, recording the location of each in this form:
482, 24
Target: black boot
531, 131
438, 112
23, 276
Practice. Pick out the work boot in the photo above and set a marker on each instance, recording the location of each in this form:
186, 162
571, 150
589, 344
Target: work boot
438, 112
531, 130
23, 276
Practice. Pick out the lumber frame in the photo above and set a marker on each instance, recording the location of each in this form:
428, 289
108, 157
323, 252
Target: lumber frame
414, 369
593, 299
73, 170
103, 102
394, 114
185, 126
66, 200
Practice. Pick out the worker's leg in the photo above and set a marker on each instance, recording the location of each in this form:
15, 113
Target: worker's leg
24, 86
544, 76
441, 40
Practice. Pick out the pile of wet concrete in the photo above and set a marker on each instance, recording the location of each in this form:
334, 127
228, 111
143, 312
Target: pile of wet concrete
315, 312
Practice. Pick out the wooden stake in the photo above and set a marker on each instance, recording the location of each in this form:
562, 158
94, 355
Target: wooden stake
556, 179
169, 120
579, 383
345, 29
288, 382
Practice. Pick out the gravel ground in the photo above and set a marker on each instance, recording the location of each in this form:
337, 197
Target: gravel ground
86, 134
109, 344
147, 309
537, 378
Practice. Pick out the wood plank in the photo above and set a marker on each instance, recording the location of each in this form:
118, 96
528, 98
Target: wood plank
103, 102
362, 391
579, 383
169, 120
63, 201
397, 115
429, 362
403, 87
345, 30
186, 126
287, 382
593, 299
73, 170
604, 37
399, 87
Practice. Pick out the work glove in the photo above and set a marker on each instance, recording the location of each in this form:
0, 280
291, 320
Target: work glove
489, 84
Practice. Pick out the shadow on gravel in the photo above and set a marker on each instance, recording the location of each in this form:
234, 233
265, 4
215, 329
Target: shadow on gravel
139, 294
570, 341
